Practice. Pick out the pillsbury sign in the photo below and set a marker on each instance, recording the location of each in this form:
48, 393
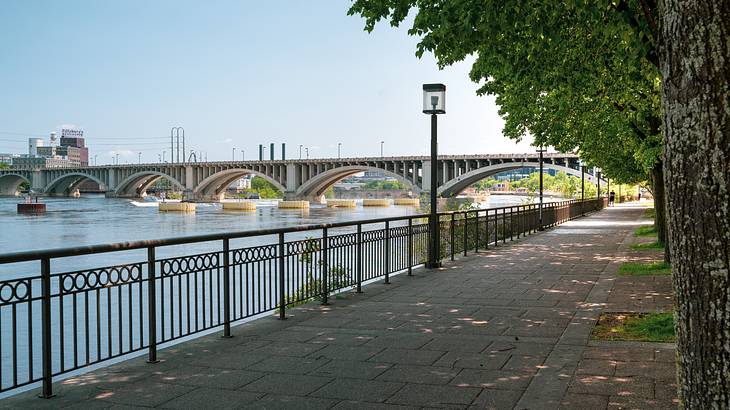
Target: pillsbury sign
70, 133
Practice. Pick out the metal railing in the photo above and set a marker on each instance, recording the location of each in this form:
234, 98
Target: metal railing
56, 322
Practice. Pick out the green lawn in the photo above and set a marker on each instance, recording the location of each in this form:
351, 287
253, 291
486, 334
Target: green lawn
648, 230
646, 246
644, 327
642, 269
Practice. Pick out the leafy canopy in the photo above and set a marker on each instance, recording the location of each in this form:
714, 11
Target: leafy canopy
576, 74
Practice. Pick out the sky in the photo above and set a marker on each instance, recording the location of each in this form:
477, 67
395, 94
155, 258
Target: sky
234, 74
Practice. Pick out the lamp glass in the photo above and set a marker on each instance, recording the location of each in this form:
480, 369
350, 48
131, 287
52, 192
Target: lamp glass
434, 99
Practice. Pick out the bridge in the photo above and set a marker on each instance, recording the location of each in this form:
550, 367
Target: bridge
297, 179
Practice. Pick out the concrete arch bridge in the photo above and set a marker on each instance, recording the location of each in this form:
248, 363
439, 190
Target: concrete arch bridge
298, 179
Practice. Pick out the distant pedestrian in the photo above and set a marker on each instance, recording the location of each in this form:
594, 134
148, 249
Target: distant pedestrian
611, 198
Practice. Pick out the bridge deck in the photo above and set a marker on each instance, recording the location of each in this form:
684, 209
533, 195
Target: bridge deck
506, 328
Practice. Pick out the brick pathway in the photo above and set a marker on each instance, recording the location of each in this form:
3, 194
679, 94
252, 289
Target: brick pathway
507, 328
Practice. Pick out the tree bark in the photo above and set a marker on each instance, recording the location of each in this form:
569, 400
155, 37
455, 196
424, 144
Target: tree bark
660, 208
695, 61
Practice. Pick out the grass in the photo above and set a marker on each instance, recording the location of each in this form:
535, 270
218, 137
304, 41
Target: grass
648, 230
647, 246
644, 327
645, 269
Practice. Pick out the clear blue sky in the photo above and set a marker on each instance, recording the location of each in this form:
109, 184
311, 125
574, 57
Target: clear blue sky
234, 74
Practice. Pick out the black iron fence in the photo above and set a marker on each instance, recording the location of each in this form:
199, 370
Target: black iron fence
58, 321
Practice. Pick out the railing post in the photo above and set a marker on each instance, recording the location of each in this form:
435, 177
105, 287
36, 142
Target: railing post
152, 305
47, 392
358, 263
476, 233
410, 246
282, 285
466, 232
325, 268
496, 228
511, 223
453, 236
226, 288
387, 252
504, 225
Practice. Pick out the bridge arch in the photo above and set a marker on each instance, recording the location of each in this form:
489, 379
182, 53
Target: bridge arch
10, 182
458, 184
136, 184
214, 185
65, 183
316, 186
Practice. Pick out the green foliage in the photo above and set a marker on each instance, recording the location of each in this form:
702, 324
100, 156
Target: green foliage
264, 188
645, 231
645, 269
4, 165
645, 327
577, 75
647, 246
649, 213
312, 289
330, 192
384, 185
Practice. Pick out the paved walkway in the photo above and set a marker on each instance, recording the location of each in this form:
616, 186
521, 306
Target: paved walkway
507, 328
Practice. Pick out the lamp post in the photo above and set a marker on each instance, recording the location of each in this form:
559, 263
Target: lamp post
582, 184
540, 151
598, 182
159, 158
381, 146
95, 159
300, 151
163, 156
434, 103
339, 148
243, 155
117, 157
233, 154
139, 157
307, 151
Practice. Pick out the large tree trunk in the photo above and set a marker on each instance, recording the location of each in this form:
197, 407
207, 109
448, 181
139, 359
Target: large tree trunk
696, 107
660, 208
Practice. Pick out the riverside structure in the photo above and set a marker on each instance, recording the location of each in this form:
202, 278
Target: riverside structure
305, 179
61, 321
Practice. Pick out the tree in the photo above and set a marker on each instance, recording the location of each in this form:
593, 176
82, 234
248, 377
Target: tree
265, 189
696, 107
4, 165
578, 75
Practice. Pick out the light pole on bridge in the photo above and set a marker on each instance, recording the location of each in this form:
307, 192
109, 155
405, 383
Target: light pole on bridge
339, 147
176, 133
233, 154
307, 151
139, 157
381, 146
300, 151
243, 155
434, 103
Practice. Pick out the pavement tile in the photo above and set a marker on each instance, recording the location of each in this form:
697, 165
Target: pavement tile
212, 399
358, 390
291, 384
493, 379
351, 369
144, 393
458, 343
406, 356
277, 401
573, 401
288, 349
207, 377
401, 340
468, 360
621, 386
434, 396
357, 353
524, 363
288, 364
419, 374
497, 399
361, 405
597, 367
631, 402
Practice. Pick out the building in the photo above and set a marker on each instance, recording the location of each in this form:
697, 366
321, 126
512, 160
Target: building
28, 162
7, 159
33, 144
75, 156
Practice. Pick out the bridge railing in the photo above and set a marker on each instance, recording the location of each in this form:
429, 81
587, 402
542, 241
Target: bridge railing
60, 320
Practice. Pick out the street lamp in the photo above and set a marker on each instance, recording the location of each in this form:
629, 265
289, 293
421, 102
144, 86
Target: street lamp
541, 151
434, 103
582, 184
300, 151
598, 182
243, 155
339, 147
381, 147
139, 157
95, 159
307, 151
233, 154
